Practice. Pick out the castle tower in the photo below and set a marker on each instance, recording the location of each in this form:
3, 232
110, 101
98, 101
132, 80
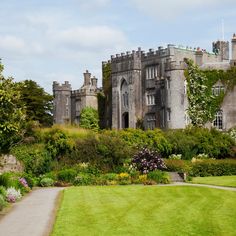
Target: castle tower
221, 48
233, 45
62, 103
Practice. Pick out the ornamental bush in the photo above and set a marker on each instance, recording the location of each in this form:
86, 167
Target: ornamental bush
146, 160
13, 195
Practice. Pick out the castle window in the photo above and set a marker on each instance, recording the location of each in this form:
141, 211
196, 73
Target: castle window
125, 99
67, 100
218, 122
150, 99
151, 121
168, 114
151, 72
217, 90
67, 112
168, 83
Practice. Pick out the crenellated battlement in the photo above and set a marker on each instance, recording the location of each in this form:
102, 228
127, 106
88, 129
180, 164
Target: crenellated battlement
62, 87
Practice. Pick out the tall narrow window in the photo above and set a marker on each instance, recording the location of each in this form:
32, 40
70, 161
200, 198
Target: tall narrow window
218, 122
150, 99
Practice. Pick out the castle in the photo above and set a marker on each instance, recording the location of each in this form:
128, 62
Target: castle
148, 89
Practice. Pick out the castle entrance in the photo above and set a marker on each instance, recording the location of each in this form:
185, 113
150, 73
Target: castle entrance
125, 120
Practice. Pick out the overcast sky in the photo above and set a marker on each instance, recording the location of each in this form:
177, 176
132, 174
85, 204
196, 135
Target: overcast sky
47, 40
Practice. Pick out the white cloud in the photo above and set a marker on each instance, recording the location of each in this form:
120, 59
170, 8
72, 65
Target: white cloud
92, 37
170, 9
18, 46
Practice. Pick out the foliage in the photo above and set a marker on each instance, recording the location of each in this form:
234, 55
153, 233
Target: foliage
67, 175
46, 182
137, 138
181, 166
175, 157
58, 143
83, 179
3, 191
124, 178
37, 103
193, 141
146, 160
104, 151
13, 195
89, 118
232, 133
160, 177
2, 202
35, 158
203, 105
214, 168
12, 113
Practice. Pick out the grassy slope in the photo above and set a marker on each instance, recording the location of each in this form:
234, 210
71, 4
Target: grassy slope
229, 181
146, 210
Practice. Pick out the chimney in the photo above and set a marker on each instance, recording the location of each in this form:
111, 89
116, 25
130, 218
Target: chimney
94, 82
87, 77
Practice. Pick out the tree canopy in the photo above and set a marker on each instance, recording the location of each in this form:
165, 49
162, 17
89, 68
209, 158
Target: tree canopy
38, 103
89, 118
12, 113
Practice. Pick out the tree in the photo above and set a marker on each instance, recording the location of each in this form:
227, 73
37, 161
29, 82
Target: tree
12, 114
37, 102
89, 118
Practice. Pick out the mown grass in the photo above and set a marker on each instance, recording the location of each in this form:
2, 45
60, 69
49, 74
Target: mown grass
228, 181
146, 210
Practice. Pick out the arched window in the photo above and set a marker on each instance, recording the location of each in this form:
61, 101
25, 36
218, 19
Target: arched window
124, 94
218, 122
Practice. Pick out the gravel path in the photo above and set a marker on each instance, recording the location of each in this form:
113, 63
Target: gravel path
33, 216
200, 185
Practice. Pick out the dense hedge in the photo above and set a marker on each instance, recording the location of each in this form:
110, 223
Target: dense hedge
192, 141
214, 168
203, 167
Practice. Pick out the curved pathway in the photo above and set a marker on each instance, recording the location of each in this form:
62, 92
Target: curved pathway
200, 185
33, 216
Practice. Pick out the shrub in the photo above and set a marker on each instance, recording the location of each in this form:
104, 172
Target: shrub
104, 152
2, 202
146, 160
46, 182
137, 138
35, 158
31, 181
181, 166
58, 143
3, 191
159, 177
83, 179
142, 179
67, 175
9, 180
13, 195
214, 168
89, 118
192, 141
175, 157
123, 178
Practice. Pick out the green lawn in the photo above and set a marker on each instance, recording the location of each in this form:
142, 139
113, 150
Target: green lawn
146, 210
229, 181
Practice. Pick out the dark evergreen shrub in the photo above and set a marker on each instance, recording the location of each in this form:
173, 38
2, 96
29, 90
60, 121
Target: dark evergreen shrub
67, 175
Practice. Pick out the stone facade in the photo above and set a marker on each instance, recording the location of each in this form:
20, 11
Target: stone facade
151, 87
69, 103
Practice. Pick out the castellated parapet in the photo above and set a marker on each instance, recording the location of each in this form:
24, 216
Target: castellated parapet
69, 103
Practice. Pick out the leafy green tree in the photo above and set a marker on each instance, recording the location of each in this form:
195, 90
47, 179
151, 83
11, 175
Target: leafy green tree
12, 114
89, 118
37, 102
